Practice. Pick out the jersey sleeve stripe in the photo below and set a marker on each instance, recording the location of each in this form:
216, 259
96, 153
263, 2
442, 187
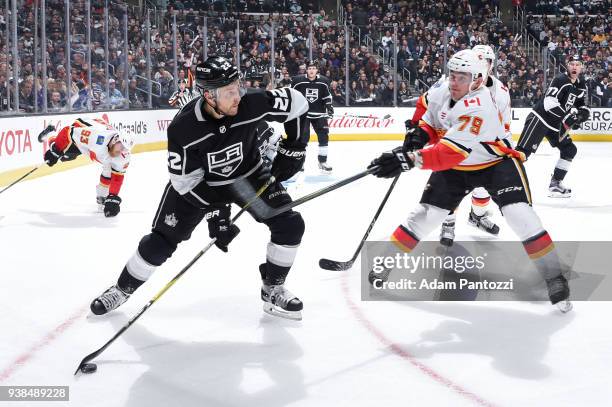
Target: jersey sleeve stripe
456, 147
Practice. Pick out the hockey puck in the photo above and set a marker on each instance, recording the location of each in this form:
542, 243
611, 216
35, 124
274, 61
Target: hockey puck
89, 368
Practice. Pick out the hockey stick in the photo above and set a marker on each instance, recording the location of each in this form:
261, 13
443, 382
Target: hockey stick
358, 116
22, 177
97, 353
328, 264
276, 211
41, 138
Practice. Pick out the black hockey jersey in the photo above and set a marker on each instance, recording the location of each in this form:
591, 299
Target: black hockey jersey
316, 92
204, 152
561, 96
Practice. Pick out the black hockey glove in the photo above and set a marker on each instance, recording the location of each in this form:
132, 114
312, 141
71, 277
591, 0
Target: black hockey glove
583, 114
288, 161
390, 164
220, 226
111, 205
52, 155
570, 121
330, 111
70, 155
416, 138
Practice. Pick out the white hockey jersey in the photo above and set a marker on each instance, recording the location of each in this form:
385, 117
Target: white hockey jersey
92, 137
499, 93
471, 130
501, 97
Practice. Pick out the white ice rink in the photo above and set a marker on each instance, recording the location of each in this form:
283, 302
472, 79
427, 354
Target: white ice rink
206, 342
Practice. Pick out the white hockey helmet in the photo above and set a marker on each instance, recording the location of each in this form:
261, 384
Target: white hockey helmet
487, 53
468, 61
125, 139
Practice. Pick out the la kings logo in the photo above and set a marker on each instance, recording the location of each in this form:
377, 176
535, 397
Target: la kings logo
171, 220
312, 94
225, 162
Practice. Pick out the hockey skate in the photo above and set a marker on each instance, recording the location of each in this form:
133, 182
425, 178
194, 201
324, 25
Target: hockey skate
280, 302
43, 134
558, 292
556, 189
483, 222
382, 276
447, 234
325, 168
109, 300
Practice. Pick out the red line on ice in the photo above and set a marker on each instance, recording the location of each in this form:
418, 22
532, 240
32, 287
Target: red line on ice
27, 356
395, 348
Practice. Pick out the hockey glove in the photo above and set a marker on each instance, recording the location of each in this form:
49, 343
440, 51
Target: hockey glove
52, 156
391, 163
220, 226
570, 121
289, 160
111, 205
583, 114
330, 111
416, 138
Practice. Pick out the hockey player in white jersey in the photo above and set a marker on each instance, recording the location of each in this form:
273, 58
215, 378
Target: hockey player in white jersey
102, 143
473, 153
479, 215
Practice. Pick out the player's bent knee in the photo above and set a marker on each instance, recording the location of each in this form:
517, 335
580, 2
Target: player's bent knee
287, 228
523, 220
568, 151
424, 219
155, 249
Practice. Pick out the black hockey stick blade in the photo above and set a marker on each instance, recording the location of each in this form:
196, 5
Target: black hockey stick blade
327, 264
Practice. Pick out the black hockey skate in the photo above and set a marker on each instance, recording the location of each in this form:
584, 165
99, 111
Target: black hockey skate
447, 234
280, 302
558, 292
109, 300
483, 222
378, 278
556, 189
43, 134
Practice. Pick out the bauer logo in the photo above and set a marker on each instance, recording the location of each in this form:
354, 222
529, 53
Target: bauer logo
225, 162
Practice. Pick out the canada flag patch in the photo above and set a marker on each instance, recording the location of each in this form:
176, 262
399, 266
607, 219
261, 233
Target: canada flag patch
472, 101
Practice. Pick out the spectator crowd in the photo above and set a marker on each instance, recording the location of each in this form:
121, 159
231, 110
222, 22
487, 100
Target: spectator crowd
427, 33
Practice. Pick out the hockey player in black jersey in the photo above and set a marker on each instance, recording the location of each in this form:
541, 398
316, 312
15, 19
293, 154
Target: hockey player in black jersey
562, 109
315, 88
214, 161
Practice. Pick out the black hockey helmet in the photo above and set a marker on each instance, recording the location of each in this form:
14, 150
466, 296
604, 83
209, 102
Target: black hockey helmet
312, 62
214, 73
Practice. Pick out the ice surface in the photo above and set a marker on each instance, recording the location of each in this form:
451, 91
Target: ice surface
206, 342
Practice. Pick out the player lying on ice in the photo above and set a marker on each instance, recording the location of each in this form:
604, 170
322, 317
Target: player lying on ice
102, 143
473, 153
214, 160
